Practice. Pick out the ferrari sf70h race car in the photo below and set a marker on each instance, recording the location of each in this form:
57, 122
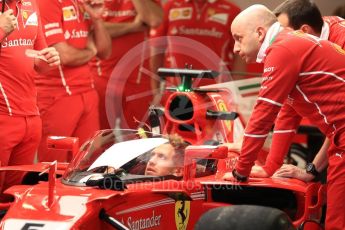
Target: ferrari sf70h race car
105, 185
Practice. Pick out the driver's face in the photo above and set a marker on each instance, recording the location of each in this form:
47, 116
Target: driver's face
161, 161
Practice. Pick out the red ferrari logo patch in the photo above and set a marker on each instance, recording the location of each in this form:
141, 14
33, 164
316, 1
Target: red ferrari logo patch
29, 18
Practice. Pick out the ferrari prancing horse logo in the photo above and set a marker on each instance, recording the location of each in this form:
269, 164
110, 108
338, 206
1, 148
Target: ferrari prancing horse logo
182, 211
222, 107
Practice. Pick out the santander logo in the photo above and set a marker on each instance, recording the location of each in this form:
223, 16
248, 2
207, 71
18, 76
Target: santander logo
16, 42
76, 34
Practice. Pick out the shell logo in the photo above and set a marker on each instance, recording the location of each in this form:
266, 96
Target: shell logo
211, 12
175, 14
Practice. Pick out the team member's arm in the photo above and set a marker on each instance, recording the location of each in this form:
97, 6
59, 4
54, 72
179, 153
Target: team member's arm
320, 161
149, 15
285, 129
150, 12
51, 16
122, 28
99, 33
8, 23
274, 91
71, 56
46, 58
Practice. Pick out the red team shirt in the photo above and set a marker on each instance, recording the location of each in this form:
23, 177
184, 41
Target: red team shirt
17, 88
333, 30
312, 86
60, 26
122, 85
207, 23
118, 11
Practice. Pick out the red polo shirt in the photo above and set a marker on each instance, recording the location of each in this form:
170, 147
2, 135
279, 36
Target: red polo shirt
17, 88
63, 24
119, 11
312, 86
334, 30
207, 23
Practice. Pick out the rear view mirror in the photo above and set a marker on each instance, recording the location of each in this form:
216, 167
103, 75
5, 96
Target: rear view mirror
192, 153
71, 144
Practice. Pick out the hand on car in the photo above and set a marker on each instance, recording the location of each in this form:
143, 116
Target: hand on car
258, 171
229, 177
292, 171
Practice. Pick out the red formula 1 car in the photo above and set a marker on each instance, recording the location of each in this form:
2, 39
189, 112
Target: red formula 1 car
105, 186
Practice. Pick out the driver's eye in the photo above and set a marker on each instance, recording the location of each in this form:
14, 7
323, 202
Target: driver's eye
152, 154
161, 156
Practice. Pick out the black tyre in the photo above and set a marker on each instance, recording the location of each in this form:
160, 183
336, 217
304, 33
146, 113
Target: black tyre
244, 217
297, 156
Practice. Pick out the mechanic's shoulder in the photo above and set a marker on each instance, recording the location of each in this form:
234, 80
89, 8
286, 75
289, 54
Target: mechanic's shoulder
292, 39
332, 20
283, 44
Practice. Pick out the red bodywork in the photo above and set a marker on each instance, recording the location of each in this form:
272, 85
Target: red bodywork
165, 204
196, 106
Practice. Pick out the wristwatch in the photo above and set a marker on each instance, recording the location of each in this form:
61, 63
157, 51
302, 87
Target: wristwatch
310, 168
238, 176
